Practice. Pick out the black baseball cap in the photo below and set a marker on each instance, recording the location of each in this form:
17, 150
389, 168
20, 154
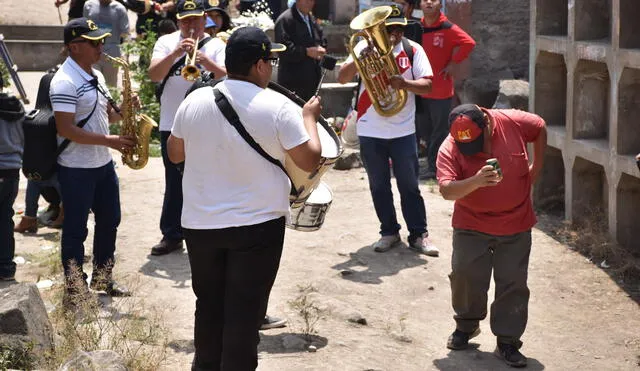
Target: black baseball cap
466, 126
396, 18
189, 8
249, 44
85, 28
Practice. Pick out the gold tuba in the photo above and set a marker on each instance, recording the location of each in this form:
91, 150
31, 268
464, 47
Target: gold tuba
137, 126
190, 72
376, 63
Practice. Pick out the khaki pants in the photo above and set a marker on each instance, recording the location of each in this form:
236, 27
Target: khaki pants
475, 255
109, 71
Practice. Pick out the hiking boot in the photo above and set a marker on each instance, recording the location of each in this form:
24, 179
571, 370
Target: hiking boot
57, 222
28, 224
165, 247
110, 287
459, 340
423, 245
270, 322
510, 354
386, 243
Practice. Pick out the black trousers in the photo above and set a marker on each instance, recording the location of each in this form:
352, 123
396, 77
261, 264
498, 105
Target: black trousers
232, 270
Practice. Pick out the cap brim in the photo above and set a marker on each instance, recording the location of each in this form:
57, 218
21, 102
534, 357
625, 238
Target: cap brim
472, 148
96, 35
395, 22
190, 13
276, 48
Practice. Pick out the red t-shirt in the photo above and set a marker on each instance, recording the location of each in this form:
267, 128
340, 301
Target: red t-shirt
439, 41
505, 209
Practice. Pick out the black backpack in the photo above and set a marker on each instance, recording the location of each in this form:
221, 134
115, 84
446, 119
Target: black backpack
41, 150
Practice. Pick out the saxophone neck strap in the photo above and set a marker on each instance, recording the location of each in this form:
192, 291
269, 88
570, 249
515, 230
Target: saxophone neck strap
230, 114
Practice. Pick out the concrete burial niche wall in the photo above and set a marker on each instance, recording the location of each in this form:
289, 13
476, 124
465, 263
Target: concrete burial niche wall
585, 83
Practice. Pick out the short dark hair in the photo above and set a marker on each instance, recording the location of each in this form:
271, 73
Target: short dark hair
241, 68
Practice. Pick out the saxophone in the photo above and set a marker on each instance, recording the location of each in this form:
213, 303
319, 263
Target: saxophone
134, 125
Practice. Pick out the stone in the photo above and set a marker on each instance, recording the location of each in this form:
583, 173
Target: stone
104, 360
24, 324
294, 342
348, 161
513, 94
356, 317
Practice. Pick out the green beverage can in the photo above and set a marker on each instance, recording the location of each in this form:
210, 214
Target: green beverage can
495, 164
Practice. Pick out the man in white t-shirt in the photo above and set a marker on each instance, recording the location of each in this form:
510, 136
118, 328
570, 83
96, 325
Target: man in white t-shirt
168, 50
385, 139
235, 201
88, 181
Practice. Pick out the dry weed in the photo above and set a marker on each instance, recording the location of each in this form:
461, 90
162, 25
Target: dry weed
307, 309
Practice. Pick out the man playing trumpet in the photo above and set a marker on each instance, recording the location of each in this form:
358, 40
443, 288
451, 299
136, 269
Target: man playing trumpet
393, 138
170, 49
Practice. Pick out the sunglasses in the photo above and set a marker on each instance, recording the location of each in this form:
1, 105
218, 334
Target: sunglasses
94, 43
273, 60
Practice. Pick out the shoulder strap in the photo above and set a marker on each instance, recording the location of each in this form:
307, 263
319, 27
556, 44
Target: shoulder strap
443, 26
408, 50
230, 114
65, 143
177, 65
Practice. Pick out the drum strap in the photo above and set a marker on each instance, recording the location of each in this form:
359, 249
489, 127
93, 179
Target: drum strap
230, 114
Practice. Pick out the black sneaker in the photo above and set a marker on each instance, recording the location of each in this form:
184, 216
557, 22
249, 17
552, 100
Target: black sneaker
459, 340
165, 247
510, 354
270, 322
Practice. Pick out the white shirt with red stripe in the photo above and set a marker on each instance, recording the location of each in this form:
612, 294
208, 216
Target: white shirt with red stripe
370, 123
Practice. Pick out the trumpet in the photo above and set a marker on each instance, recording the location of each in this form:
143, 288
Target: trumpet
190, 72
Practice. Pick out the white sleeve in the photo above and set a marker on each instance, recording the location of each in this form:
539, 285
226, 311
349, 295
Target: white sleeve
161, 49
217, 52
63, 96
421, 65
290, 126
176, 129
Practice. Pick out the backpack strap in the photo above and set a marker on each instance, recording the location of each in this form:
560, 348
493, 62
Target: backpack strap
408, 50
230, 114
175, 67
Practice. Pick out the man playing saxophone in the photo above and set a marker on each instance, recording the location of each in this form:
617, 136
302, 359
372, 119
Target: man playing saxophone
392, 136
79, 99
170, 55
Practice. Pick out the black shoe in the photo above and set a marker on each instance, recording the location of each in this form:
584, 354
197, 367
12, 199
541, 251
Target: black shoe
459, 340
110, 287
272, 322
166, 247
510, 354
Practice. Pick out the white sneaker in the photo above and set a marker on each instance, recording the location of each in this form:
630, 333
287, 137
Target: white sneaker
423, 245
386, 243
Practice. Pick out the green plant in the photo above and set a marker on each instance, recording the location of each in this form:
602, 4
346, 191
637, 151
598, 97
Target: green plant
19, 357
142, 48
6, 78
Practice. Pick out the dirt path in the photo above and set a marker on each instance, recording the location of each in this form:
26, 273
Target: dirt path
579, 318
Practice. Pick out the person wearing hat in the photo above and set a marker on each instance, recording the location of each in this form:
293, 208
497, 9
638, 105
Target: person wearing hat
210, 26
165, 69
299, 68
234, 221
86, 173
215, 9
393, 138
492, 219
112, 16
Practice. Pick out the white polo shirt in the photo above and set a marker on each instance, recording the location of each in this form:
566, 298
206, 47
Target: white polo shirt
176, 86
226, 183
71, 91
370, 123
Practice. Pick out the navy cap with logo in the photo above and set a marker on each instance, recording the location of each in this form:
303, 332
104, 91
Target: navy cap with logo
85, 28
466, 126
249, 44
396, 18
190, 8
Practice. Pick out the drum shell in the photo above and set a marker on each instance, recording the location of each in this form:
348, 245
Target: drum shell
310, 215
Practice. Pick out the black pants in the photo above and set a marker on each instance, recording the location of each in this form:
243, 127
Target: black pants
232, 270
170, 225
432, 125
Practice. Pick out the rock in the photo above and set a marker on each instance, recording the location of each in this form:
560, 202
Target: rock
104, 360
294, 342
312, 348
431, 288
24, 324
513, 94
401, 337
356, 317
348, 161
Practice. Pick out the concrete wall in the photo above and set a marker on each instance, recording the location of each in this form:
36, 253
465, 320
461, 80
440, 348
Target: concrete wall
33, 48
585, 82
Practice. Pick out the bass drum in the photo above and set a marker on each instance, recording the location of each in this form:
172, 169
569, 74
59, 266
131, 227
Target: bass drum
310, 216
306, 182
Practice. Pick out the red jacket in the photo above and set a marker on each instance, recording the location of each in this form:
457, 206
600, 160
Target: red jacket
439, 41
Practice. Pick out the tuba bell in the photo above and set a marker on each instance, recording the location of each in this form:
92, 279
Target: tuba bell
190, 72
376, 63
